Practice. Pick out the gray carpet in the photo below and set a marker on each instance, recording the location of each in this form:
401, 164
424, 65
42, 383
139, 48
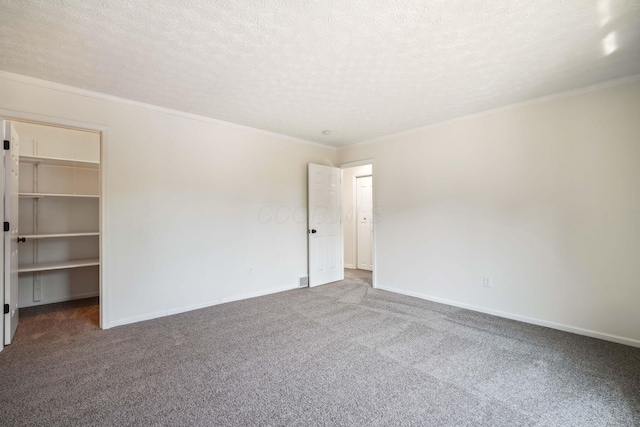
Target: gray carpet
340, 354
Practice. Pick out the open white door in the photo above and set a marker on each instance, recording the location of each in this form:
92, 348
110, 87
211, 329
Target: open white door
2, 129
11, 165
325, 225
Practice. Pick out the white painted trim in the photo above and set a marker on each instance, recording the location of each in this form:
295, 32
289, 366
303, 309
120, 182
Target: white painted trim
105, 233
105, 301
26, 116
357, 163
62, 299
534, 321
110, 98
163, 313
259, 293
350, 266
513, 106
184, 309
136, 319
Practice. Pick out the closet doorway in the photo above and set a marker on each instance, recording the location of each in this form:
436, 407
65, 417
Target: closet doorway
53, 204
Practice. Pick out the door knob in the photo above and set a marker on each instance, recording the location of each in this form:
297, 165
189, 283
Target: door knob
22, 239
313, 231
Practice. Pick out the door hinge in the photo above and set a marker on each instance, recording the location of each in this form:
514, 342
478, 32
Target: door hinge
6, 309
7, 144
7, 227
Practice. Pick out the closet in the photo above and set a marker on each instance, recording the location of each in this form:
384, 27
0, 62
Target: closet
58, 230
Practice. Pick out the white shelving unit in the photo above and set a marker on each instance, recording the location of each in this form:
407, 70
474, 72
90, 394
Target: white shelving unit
59, 265
56, 235
41, 195
59, 209
55, 161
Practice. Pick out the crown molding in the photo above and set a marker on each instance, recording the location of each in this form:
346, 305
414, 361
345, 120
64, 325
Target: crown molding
542, 99
32, 81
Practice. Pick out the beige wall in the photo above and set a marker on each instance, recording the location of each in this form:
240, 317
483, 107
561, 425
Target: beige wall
349, 211
544, 198
185, 197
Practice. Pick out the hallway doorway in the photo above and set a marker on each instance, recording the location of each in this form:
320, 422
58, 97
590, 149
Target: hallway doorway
358, 218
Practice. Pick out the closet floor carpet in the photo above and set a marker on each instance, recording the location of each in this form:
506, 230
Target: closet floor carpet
340, 354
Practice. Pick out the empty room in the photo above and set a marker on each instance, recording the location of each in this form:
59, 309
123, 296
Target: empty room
320, 213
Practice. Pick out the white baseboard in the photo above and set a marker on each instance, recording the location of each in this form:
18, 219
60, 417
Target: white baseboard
62, 299
258, 294
559, 326
158, 314
135, 319
178, 310
351, 266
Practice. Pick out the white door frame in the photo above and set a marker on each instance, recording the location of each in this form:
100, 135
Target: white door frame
104, 193
374, 260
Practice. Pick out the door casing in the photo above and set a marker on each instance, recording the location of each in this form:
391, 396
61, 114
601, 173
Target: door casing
22, 116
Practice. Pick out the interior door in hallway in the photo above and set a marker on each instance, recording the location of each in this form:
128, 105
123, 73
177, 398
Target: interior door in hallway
364, 206
326, 262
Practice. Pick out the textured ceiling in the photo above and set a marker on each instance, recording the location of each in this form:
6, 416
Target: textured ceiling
360, 68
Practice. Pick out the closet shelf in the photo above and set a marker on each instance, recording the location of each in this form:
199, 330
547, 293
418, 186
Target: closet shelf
56, 161
40, 195
52, 236
60, 265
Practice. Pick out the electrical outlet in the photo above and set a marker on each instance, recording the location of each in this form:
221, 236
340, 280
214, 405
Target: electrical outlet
486, 281
250, 271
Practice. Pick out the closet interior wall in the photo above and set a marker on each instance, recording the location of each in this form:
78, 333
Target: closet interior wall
61, 222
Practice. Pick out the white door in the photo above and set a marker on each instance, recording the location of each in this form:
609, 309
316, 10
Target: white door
364, 206
11, 164
325, 225
2, 176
